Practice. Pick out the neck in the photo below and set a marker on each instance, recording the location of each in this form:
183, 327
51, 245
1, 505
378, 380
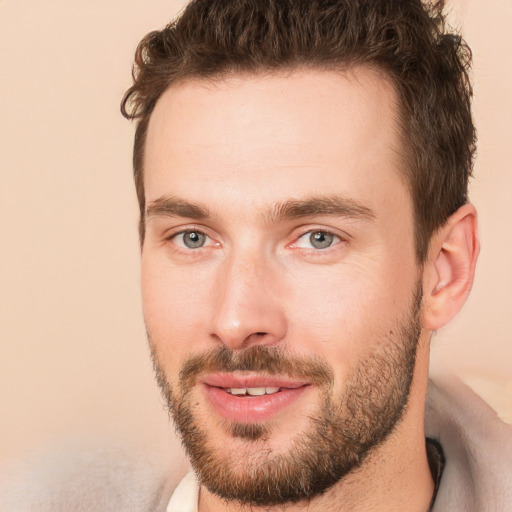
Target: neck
393, 478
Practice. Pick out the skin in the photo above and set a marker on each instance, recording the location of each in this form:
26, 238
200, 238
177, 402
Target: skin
236, 148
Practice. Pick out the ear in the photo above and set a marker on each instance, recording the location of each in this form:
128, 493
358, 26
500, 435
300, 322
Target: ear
450, 268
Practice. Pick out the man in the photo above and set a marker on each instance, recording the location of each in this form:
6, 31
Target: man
302, 169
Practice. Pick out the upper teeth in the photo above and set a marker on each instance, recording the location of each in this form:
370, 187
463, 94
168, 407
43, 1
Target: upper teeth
252, 391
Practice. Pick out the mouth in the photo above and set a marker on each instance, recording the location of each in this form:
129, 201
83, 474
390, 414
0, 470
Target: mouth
250, 398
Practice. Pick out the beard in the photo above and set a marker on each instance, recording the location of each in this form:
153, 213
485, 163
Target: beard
347, 427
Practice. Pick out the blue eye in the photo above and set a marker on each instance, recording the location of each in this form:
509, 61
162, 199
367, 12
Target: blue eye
190, 239
317, 240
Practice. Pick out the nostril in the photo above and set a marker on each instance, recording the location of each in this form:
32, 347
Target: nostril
260, 333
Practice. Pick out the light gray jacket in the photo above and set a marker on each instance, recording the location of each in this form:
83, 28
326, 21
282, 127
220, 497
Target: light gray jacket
477, 447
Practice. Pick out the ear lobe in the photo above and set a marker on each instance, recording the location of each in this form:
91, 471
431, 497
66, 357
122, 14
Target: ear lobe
450, 268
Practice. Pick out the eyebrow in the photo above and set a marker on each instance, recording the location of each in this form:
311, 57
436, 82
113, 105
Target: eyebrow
166, 206
332, 206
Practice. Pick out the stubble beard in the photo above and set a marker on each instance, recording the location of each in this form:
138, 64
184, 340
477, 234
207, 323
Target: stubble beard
346, 430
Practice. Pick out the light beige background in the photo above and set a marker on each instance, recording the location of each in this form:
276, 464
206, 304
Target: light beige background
73, 356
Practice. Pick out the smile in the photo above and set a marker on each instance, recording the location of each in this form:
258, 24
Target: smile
250, 399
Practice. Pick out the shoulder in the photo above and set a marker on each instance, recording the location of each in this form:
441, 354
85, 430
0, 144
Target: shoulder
91, 478
477, 446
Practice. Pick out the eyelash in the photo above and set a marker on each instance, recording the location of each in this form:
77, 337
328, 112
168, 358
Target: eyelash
172, 237
337, 239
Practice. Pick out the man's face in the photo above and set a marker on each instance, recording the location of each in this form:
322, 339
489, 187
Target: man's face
280, 287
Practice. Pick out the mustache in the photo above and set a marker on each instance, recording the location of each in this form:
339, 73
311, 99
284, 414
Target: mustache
259, 359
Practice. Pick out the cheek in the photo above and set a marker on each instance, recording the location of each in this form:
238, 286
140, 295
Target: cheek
173, 305
341, 316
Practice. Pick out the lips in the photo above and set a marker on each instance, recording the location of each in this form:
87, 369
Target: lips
250, 398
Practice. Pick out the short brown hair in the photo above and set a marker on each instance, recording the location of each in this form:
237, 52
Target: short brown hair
407, 39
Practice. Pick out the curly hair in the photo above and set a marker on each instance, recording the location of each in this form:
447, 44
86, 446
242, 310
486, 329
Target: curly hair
408, 40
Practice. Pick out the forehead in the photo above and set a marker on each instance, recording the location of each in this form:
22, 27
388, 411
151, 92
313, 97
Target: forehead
258, 137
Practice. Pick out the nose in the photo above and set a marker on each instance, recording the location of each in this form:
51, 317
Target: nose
248, 306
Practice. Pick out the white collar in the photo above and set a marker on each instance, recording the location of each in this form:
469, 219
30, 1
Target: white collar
185, 498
